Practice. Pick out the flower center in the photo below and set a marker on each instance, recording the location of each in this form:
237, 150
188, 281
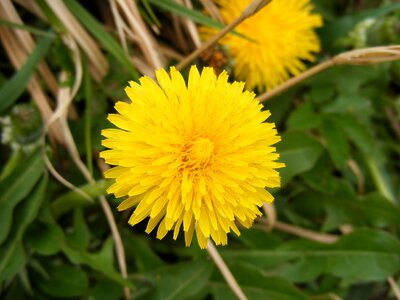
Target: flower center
200, 151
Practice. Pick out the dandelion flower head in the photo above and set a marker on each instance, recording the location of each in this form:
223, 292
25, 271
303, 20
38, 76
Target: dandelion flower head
279, 37
197, 156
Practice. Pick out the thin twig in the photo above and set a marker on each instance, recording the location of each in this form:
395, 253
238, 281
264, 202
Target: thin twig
226, 273
359, 175
251, 9
62, 180
270, 212
295, 80
395, 288
304, 233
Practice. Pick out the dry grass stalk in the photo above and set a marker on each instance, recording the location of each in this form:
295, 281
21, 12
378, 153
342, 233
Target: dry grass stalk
26, 40
251, 9
270, 212
62, 180
301, 232
180, 38
147, 43
18, 57
190, 26
170, 52
213, 10
119, 23
366, 56
96, 57
395, 288
226, 273
359, 175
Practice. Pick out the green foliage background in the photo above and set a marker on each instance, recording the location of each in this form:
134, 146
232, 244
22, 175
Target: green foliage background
339, 143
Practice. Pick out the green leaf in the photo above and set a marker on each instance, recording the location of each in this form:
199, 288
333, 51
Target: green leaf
179, 9
179, 281
14, 88
299, 152
102, 261
15, 187
79, 238
145, 257
64, 281
349, 103
360, 255
358, 133
45, 239
105, 39
73, 199
106, 289
26, 28
256, 285
12, 256
337, 145
345, 207
303, 118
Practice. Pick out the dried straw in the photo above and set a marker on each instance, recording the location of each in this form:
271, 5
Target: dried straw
254, 7
96, 57
366, 56
26, 40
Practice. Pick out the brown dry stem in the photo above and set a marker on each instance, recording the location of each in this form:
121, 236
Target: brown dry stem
366, 56
254, 7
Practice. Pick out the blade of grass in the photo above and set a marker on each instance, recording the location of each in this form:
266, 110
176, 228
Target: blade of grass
104, 38
30, 29
198, 17
183, 11
11, 91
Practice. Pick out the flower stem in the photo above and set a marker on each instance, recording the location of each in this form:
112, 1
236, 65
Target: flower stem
226, 273
295, 80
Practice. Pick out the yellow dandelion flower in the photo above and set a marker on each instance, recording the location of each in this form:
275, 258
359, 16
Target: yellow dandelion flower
281, 36
197, 155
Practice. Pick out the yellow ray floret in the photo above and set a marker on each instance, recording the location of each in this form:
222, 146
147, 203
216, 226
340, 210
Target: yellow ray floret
280, 37
197, 156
